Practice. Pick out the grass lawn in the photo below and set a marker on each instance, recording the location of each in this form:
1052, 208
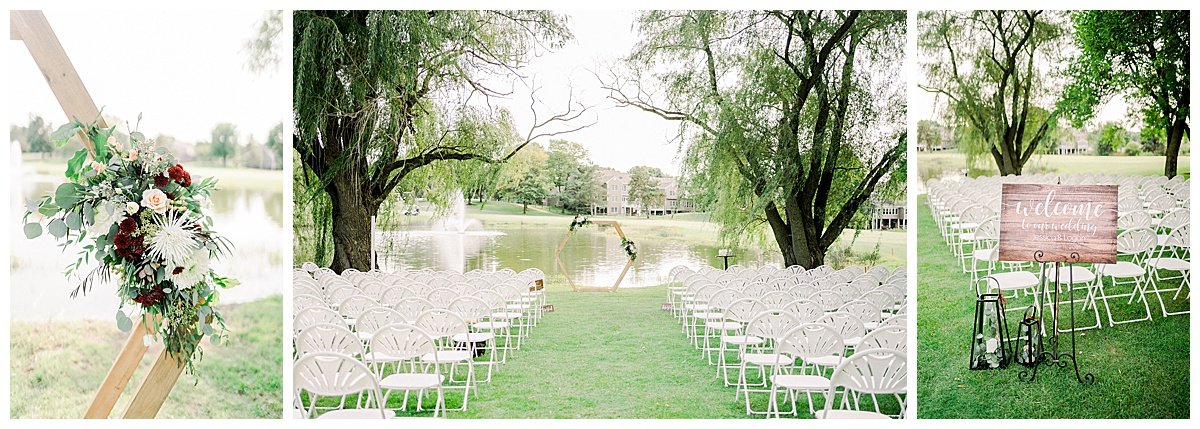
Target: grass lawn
56, 368
605, 355
934, 164
1141, 368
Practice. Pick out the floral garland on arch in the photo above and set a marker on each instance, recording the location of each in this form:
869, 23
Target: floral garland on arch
627, 245
139, 214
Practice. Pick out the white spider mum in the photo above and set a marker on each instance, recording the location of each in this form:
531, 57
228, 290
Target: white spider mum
193, 271
175, 240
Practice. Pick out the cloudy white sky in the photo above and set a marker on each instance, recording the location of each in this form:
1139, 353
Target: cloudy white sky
183, 71
621, 137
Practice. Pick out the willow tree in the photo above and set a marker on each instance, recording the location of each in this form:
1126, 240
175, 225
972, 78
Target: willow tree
791, 119
379, 95
1141, 53
995, 71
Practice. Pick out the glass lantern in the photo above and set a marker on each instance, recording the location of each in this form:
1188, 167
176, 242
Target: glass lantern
1028, 347
989, 340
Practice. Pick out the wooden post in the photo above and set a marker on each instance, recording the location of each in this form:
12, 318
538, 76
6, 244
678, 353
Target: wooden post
118, 376
155, 388
32, 28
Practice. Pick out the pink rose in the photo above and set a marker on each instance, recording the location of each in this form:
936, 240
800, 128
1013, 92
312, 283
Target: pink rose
132, 155
156, 200
97, 167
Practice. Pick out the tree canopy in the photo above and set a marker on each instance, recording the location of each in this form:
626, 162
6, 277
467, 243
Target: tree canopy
379, 95
1143, 55
773, 106
995, 71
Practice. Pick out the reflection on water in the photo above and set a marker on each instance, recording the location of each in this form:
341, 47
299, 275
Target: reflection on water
252, 219
593, 256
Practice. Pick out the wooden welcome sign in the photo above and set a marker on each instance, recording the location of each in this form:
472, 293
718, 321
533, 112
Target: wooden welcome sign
32, 28
1058, 223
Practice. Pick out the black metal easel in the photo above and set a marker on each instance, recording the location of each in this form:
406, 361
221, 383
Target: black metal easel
1050, 355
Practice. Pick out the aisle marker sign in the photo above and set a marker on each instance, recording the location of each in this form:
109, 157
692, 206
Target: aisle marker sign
1058, 220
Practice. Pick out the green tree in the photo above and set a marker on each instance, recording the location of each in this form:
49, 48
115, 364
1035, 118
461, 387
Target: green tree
532, 158
34, 136
644, 190
649, 171
1153, 138
275, 145
770, 104
581, 190
929, 134
1112, 138
532, 189
993, 68
565, 159
377, 103
1144, 54
224, 142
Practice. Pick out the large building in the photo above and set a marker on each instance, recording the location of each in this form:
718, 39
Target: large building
615, 196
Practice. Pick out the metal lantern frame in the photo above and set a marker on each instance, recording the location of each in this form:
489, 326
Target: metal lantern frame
1027, 345
981, 302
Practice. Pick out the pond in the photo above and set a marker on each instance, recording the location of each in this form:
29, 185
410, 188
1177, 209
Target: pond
249, 215
593, 255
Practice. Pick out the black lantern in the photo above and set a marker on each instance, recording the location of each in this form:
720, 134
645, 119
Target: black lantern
989, 341
1028, 347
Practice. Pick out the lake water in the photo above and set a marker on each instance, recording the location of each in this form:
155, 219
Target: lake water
593, 255
250, 217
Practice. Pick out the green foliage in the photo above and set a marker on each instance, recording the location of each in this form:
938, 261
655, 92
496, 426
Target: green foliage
994, 71
1153, 138
34, 136
532, 189
381, 97
644, 190
771, 106
275, 140
1141, 54
1112, 138
224, 141
572, 174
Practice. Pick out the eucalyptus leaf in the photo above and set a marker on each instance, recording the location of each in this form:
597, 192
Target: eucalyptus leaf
123, 322
57, 228
33, 230
67, 195
73, 220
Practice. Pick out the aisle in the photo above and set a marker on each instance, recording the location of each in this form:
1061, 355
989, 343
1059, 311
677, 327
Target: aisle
606, 355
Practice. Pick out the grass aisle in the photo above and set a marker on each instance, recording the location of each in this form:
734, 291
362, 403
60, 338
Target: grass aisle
606, 355
1141, 368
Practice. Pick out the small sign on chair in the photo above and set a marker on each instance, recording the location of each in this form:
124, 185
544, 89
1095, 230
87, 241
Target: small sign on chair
1058, 223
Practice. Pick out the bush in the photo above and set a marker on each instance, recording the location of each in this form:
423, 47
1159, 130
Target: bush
1132, 149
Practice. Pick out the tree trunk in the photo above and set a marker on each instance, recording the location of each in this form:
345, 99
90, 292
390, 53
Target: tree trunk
351, 219
1174, 141
524, 208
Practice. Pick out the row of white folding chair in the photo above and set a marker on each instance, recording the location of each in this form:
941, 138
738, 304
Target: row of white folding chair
759, 340
434, 338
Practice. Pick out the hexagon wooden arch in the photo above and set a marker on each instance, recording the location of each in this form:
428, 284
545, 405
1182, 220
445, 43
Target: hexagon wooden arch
32, 28
562, 267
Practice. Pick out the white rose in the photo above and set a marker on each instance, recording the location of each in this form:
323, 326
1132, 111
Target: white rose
131, 207
102, 222
156, 200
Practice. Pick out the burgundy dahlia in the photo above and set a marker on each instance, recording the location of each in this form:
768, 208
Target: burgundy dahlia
161, 181
128, 225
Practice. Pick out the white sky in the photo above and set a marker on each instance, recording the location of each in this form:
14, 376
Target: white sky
621, 137
184, 71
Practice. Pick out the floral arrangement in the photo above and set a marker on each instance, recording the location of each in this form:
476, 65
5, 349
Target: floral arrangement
578, 222
141, 216
630, 248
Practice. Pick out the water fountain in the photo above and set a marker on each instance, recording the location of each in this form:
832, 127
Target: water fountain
453, 235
